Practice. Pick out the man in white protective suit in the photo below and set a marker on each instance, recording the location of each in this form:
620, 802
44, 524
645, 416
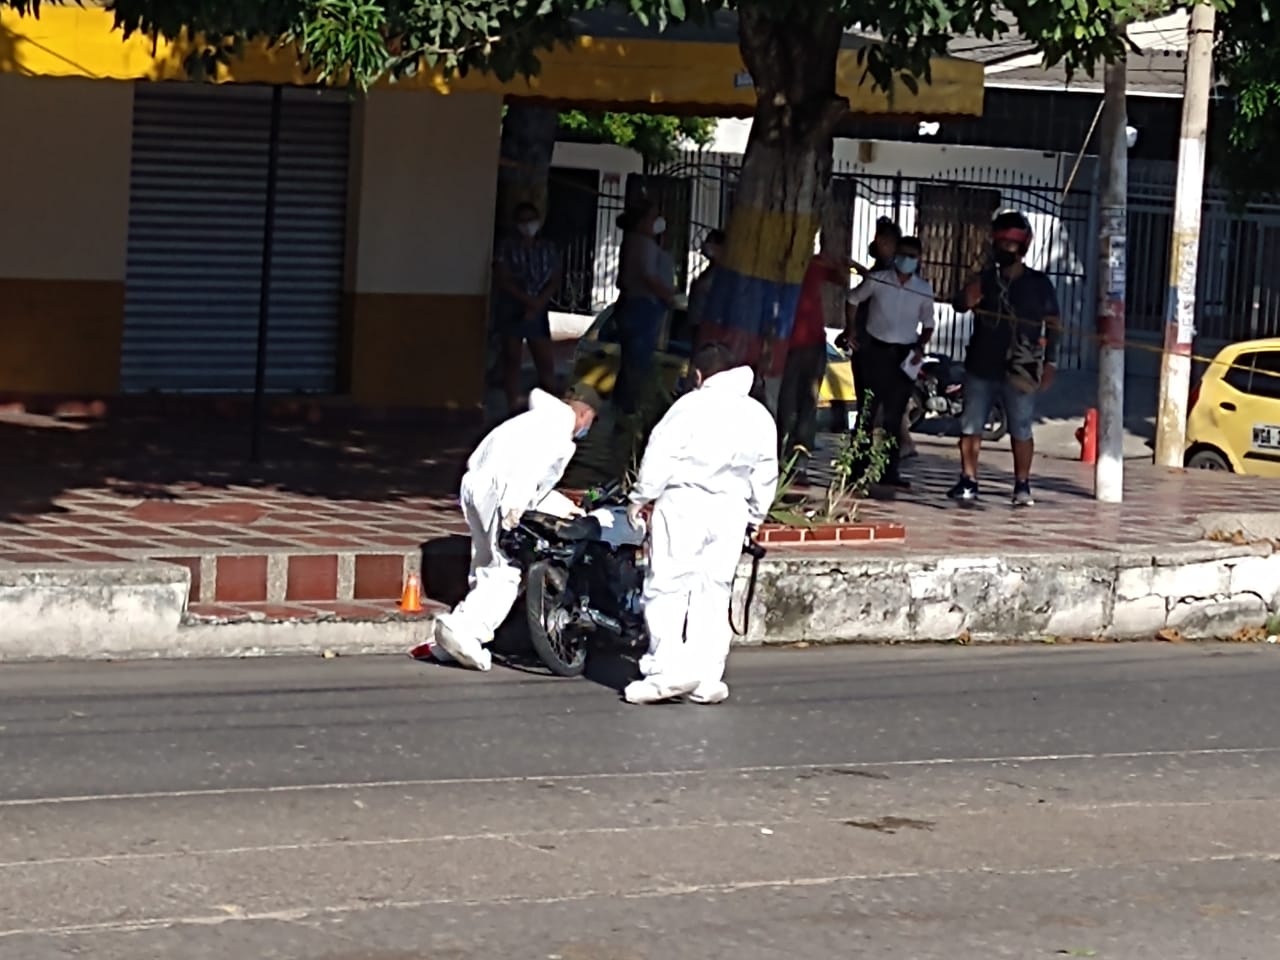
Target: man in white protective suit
515, 469
710, 470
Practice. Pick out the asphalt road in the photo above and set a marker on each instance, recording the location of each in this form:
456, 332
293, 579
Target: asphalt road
967, 804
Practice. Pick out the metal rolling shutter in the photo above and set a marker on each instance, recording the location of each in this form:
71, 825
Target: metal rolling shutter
198, 202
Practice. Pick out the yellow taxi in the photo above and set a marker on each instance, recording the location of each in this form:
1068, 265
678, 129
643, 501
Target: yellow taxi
1233, 418
596, 361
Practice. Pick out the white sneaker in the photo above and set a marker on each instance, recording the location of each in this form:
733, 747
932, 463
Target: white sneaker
709, 693
655, 690
460, 646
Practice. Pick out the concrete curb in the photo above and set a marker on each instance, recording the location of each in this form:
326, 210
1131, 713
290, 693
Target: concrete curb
1203, 591
89, 611
249, 639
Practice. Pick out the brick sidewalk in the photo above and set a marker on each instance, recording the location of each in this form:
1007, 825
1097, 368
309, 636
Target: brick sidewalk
338, 517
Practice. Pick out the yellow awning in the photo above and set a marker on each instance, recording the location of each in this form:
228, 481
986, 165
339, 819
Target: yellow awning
618, 69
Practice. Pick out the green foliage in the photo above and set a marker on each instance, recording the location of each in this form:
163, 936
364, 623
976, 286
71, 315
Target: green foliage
788, 508
860, 462
1247, 56
359, 41
654, 137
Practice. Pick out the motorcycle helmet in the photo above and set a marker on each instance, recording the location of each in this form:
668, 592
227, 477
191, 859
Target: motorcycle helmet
1011, 225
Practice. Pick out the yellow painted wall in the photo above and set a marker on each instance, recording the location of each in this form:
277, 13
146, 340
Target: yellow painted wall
425, 173
610, 72
64, 224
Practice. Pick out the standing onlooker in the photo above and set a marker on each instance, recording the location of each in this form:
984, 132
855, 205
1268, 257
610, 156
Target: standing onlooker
899, 322
700, 288
527, 270
646, 277
807, 363
883, 248
1012, 353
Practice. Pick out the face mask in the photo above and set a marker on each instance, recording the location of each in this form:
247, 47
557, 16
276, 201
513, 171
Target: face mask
531, 228
582, 433
659, 226
1006, 258
906, 264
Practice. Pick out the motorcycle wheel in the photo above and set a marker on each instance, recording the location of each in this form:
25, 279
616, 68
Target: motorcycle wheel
561, 647
997, 423
916, 407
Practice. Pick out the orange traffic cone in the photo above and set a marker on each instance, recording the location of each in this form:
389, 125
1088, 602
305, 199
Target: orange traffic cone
411, 599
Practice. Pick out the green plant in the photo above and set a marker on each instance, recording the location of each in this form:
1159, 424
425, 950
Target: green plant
860, 461
783, 510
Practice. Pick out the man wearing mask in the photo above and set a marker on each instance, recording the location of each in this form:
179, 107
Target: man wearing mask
527, 270
706, 484
512, 471
883, 248
1012, 353
899, 324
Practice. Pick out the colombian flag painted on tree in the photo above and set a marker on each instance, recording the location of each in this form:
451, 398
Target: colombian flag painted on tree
751, 306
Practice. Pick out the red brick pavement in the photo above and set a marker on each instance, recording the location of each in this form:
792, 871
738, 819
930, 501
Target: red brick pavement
332, 523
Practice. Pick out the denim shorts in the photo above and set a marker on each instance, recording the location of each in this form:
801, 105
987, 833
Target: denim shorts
979, 395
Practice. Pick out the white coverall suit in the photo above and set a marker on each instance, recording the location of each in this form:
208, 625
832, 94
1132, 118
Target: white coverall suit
514, 469
710, 469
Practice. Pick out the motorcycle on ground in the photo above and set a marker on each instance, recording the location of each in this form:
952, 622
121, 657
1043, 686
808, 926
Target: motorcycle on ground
939, 392
584, 580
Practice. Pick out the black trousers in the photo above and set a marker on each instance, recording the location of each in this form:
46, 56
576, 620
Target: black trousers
889, 389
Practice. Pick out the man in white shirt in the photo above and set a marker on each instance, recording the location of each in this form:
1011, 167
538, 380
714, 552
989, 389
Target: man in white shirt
900, 322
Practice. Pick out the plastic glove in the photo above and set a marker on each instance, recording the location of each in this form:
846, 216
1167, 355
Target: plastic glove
635, 515
511, 519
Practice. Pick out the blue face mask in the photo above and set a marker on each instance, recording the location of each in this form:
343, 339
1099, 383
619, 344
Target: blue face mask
906, 264
582, 433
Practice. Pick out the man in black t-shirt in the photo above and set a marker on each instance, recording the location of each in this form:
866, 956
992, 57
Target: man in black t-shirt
1012, 353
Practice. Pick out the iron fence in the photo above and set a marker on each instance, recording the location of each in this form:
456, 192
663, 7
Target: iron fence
1238, 282
1239, 274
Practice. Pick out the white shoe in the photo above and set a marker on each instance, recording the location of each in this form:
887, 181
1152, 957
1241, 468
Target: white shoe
646, 665
460, 646
709, 693
655, 690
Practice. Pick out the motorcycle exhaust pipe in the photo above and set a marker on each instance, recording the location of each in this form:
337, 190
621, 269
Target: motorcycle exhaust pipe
600, 620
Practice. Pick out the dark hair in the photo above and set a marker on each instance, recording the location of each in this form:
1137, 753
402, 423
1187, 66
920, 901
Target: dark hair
911, 243
527, 206
885, 227
715, 236
633, 214
711, 359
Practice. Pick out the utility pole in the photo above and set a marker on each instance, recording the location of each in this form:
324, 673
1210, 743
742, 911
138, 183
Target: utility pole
1113, 166
1184, 251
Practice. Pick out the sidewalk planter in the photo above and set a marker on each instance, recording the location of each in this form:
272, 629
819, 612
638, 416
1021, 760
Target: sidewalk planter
826, 534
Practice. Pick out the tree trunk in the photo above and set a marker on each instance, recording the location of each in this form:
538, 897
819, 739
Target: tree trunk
524, 164
784, 183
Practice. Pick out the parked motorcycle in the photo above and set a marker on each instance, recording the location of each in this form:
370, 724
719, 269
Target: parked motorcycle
939, 392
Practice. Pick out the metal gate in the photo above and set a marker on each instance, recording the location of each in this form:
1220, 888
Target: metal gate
196, 217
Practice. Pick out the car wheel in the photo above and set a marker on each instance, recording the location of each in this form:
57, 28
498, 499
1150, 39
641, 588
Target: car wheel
1207, 459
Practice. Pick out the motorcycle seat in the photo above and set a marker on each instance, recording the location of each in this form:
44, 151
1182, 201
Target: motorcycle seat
552, 527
